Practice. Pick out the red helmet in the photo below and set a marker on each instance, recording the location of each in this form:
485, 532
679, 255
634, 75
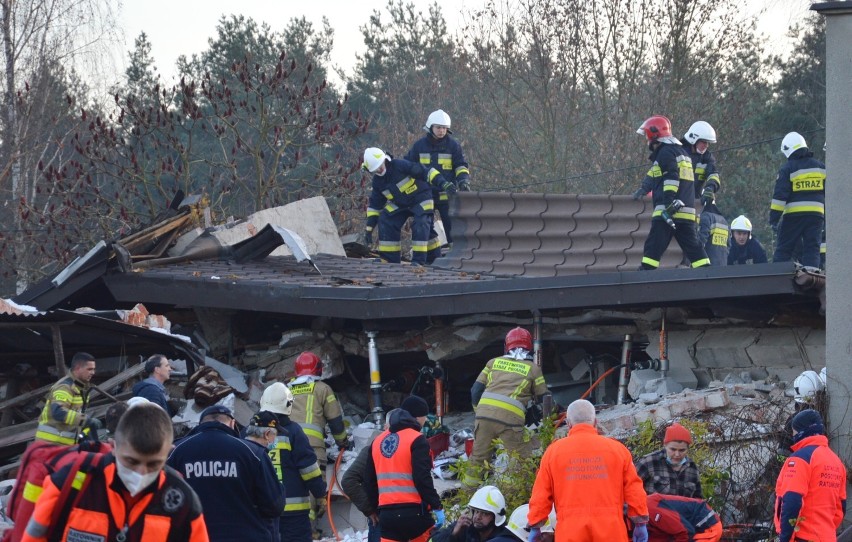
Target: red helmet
518, 338
655, 127
308, 363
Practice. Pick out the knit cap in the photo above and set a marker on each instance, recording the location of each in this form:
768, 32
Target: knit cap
677, 433
805, 419
414, 405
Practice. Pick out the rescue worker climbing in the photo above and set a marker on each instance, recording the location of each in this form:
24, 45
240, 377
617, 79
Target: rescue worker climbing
401, 189
295, 466
398, 476
314, 406
442, 153
744, 249
672, 180
799, 199
499, 397
64, 412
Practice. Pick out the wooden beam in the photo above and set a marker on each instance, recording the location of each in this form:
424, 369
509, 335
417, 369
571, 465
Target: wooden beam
58, 352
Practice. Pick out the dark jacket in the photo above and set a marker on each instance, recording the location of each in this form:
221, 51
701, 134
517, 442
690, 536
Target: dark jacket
704, 167
353, 483
421, 464
714, 234
799, 187
751, 252
444, 155
678, 518
671, 177
469, 534
295, 465
152, 390
405, 185
235, 482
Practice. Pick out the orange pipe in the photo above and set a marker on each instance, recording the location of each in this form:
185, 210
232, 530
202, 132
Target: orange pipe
328, 494
599, 380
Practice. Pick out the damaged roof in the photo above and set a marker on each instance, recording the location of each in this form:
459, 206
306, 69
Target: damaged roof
512, 253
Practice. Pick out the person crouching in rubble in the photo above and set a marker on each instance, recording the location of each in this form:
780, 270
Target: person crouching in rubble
670, 471
499, 397
520, 527
483, 520
810, 491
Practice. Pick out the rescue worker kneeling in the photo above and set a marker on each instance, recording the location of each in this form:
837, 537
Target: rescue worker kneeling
682, 519
484, 520
398, 476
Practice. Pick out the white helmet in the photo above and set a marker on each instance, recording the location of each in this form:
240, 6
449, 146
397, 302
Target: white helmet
277, 398
700, 130
518, 522
741, 223
374, 157
490, 499
440, 118
806, 386
792, 142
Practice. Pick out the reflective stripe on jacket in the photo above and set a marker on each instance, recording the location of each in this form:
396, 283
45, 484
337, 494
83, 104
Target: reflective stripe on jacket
168, 511
509, 386
63, 412
314, 406
295, 464
444, 156
392, 458
671, 177
799, 187
405, 185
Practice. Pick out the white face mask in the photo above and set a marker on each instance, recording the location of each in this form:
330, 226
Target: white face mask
132, 480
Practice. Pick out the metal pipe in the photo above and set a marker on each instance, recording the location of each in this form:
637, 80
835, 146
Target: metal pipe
626, 348
537, 336
664, 347
375, 379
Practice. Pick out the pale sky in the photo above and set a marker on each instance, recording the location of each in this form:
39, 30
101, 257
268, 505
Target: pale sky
176, 27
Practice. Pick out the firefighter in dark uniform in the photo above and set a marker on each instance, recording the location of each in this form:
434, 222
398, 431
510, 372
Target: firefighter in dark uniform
697, 141
398, 476
401, 189
672, 179
744, 248
295, 465
713, 234
799, 198
441, 152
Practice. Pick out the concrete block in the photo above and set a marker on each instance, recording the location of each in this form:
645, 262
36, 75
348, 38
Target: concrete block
638, 381
681, 362
725, 348
663, 386
661, 413
642, 416
648, 398
717, 399
776, 348
814, 345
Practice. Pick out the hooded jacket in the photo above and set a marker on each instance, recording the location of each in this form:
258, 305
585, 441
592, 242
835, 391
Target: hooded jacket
421, 463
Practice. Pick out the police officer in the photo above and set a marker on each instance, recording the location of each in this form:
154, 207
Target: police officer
238, 492
314, 406
295, 464
398, 476
401, 189
443, 153
799, 198
671, 178
500, 396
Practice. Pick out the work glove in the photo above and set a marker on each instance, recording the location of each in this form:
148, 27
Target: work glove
639, 194
345, 444
464, 185
640, 533
368, 238
320, 510
440, 518
535, 534
707, 196
449, 187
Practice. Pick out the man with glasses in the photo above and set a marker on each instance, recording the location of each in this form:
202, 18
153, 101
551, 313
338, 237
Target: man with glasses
157, 369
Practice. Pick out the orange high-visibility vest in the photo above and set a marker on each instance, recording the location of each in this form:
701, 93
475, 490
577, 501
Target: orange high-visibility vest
392, 458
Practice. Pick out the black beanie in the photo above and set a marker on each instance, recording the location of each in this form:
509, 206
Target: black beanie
414, 405
805, 419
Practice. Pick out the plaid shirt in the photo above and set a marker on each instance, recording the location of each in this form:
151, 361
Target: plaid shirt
660, 477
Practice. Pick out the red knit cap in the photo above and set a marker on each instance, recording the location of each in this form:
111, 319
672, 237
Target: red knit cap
679, 433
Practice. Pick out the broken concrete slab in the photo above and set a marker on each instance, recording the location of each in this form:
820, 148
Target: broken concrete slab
233, 376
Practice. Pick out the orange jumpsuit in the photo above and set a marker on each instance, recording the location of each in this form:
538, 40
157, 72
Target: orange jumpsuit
588, 478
